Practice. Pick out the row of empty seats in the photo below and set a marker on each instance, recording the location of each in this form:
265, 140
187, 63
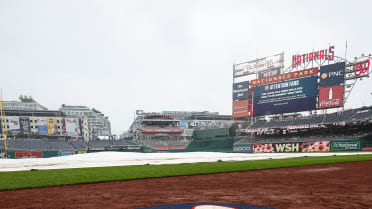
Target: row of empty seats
292, 139
338, 117
57, 145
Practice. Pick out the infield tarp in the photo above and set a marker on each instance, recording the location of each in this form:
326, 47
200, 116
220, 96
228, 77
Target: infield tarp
106, 159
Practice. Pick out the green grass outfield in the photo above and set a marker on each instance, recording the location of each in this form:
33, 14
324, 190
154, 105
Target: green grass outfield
58, 177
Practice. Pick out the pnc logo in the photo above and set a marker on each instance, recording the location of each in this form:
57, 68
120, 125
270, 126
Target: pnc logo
324, 76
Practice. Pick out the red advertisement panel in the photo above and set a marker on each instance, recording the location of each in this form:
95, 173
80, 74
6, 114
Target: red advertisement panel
240, 109
331, 97
284, 77
29, 154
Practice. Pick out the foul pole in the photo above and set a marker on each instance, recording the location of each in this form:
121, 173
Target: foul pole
4, 130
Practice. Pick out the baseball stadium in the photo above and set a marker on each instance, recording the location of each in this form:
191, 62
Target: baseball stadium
289, 143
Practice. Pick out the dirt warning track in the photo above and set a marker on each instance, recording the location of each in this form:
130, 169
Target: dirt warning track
341, 185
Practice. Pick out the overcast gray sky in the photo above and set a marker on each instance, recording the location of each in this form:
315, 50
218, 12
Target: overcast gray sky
119, 56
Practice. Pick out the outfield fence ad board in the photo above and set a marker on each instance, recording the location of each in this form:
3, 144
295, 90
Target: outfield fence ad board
345, 146
28, 154
243, 148
320, 146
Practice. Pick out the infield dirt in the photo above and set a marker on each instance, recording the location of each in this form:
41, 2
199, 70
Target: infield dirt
341, 185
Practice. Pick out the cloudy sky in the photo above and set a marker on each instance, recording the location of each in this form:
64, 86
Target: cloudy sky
119, 56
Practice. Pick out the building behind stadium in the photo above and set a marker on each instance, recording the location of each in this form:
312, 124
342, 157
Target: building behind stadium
28, 118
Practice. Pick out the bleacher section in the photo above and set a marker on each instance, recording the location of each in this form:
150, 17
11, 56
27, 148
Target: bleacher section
338, 117
258, 124
164, 143
348, 116
28, 144
363, 115
79, 145
308, 120
62, 145
244, 141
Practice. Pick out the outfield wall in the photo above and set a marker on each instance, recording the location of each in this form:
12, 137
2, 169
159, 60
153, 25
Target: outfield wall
311, 146
40, 154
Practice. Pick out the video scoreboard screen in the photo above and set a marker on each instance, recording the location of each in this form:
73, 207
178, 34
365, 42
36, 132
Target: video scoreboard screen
288, 96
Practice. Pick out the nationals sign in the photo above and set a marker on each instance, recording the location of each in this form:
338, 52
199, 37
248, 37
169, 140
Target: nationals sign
361, 67
325, 54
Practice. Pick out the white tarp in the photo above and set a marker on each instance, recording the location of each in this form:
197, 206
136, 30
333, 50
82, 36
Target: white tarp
103, 159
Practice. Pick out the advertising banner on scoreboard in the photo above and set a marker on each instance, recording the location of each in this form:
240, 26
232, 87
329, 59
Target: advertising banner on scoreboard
257, 65
240, 109
332, 75
331, 97
288, 96
52, 126
25, 125
285, 77
269, 73
72, 126
241, 91
14, 126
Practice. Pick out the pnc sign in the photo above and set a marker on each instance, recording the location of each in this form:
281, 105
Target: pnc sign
332, 75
